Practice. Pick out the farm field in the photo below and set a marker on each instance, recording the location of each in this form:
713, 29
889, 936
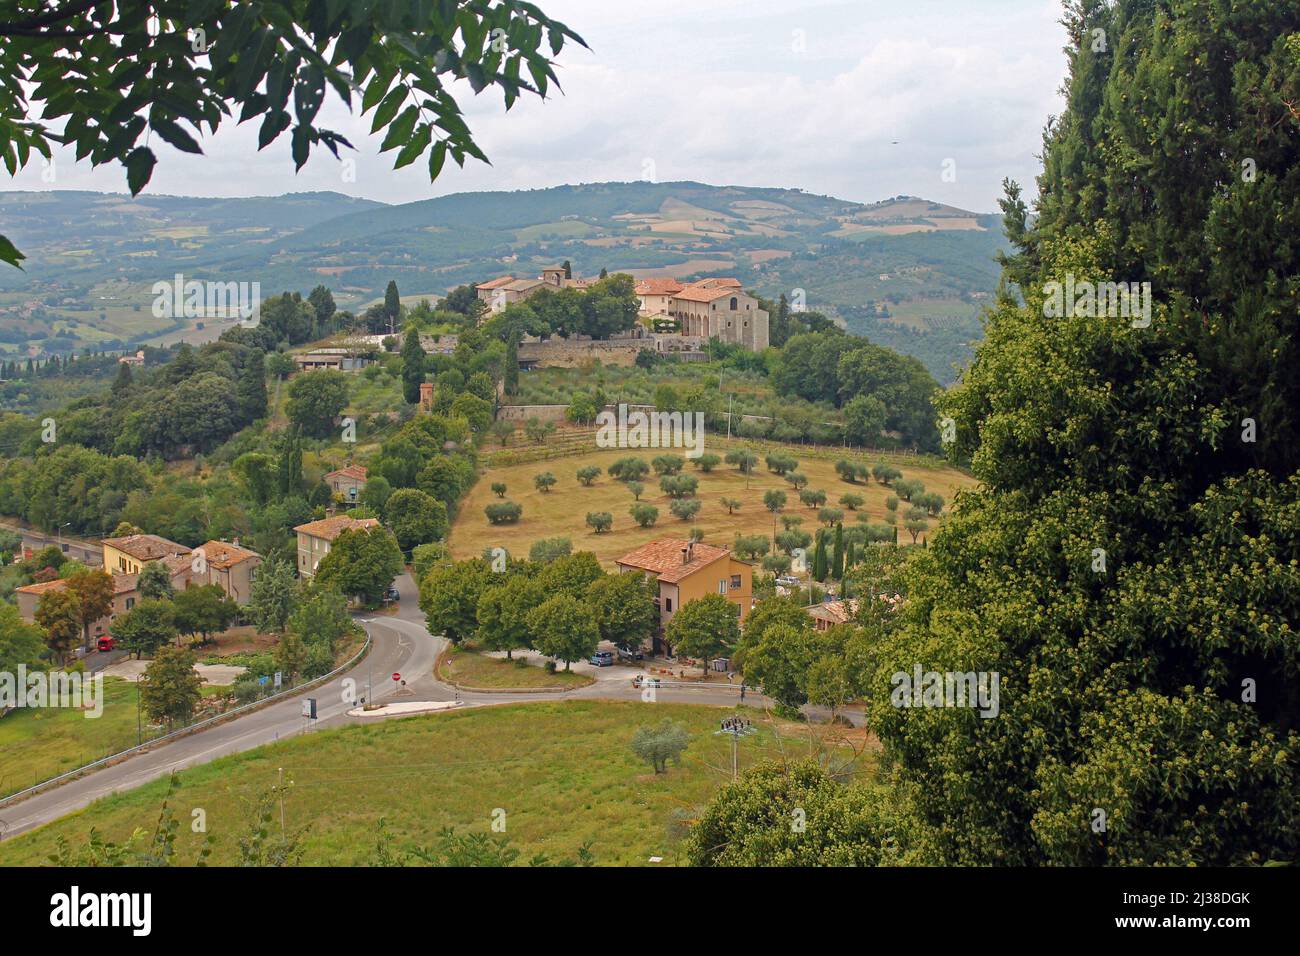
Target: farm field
562, 511
562, 772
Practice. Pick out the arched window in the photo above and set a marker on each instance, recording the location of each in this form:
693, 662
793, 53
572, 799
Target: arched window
733, 303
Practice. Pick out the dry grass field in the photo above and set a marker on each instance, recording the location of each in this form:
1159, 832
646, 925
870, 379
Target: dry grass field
562, 511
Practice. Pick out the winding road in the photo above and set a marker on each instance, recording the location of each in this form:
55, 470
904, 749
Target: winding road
400, 644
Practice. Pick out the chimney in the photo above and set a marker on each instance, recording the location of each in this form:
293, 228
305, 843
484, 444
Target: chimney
688, 552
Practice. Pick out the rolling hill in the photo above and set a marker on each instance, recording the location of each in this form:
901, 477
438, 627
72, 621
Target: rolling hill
909, 273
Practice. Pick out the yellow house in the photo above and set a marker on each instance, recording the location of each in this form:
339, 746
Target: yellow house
686, 571
129, 554
315, 538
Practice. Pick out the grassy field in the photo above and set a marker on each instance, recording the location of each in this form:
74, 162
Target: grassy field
562, 511
36, 744
562, 772
467, 667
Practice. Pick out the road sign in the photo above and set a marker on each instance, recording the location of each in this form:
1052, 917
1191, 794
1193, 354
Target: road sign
278, 678
396, 676
309, 708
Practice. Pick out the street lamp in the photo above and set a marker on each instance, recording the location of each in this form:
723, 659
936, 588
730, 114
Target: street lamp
370, 659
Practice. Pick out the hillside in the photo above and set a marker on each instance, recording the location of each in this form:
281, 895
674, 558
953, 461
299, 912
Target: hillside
909, 273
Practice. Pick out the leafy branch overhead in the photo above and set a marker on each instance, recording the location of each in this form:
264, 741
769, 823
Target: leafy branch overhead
105, 77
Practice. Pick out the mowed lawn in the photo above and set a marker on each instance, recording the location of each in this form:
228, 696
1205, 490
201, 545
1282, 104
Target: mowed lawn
468, 667
562, 773
562, 511
39, 743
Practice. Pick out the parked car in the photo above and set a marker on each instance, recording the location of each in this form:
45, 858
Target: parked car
602, 659
625, 655
788, 581
105, 643
391, 595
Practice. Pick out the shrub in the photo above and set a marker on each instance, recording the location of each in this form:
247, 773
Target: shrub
504, 512
644, 514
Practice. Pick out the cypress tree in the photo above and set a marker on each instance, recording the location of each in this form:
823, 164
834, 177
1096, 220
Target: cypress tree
412, 366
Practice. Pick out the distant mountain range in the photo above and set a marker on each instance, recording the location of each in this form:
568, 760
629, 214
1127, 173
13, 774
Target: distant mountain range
907, 272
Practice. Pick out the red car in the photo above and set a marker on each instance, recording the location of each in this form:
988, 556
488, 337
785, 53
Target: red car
106, 643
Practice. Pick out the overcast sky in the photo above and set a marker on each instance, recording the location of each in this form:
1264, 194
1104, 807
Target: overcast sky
859, 99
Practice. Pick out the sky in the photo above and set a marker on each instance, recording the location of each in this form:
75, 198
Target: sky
857, 99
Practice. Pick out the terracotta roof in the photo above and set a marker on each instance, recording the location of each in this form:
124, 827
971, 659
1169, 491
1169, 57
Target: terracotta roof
664, 557
223, 555
523, 285
358, 472
837, 612
493, 283
658, 287
716, 282
40, 587
146, 547
122, 584
327, 529
695, 293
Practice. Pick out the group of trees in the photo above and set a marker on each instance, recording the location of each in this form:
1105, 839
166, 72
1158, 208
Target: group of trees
1135, 481
562, 608
876, 388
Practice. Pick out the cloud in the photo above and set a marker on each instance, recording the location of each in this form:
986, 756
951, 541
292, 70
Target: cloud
831, 97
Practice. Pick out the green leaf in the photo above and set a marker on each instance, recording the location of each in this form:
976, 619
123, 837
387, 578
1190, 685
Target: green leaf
176, 135
437, 156
399, 131
10, 254
139, 168
415, 148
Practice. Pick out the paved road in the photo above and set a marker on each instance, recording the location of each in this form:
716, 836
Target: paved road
401, 644
88, 552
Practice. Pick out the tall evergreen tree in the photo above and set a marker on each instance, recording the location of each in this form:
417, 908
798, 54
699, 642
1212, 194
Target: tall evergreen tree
392, 305
252, 396
412, 366
1128, 563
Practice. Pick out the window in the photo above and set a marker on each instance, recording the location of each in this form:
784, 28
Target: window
722, 586
668, 605
733, 303
735, 580
130, 603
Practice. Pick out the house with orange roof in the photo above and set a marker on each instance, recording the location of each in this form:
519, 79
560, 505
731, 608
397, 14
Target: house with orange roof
349, 481
130, 553
227, 564
685, 571
316, 537
712, 307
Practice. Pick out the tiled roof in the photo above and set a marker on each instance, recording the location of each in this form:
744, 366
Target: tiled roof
493, 283
695, 293
223, 555
122, 584
327, 529
717, 282
664, 557
358, 472
837, 612
40, 587
523, 285
146, 547
658, 287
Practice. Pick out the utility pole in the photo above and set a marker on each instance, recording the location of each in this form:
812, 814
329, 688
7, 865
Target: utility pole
736, 727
